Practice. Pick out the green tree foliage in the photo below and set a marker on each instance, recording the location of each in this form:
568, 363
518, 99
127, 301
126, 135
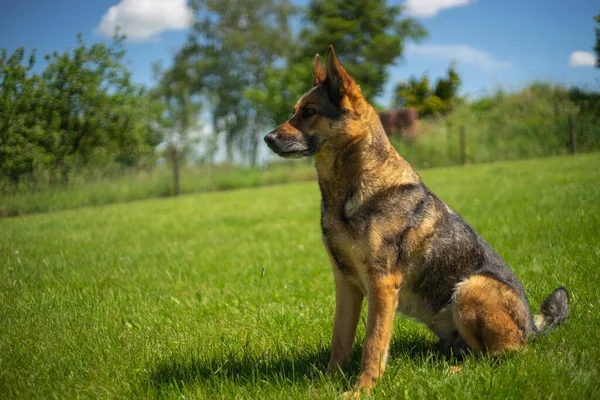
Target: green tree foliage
82, 110
95, 113
427, 100
233, 47
20, 131
447, 89
587, 118
282, 88
368, 36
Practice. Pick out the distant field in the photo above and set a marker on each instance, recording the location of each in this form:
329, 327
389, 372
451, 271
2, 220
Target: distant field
163, 298
94, 190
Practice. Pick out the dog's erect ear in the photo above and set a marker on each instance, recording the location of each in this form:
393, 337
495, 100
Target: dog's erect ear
339, 82
319, 73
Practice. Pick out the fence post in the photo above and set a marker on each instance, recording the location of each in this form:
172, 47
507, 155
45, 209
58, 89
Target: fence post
571, 134
448, 143
463, 145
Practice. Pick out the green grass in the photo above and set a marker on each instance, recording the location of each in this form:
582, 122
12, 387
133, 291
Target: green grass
164, 298
87, 189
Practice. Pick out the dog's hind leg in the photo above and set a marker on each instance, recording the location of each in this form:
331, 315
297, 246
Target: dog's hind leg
489, 315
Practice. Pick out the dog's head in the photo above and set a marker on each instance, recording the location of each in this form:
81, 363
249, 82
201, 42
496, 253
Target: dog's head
329, 114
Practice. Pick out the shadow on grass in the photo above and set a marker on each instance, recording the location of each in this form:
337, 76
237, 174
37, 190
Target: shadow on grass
240, 368
294, 367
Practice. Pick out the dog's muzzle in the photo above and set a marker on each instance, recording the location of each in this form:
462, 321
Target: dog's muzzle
270, 139
290, 146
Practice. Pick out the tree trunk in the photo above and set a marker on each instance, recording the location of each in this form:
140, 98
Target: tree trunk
60, 174
65, 175
176, 171
15, 177
229, 145
254, 149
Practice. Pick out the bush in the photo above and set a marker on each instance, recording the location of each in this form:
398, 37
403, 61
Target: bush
531, 123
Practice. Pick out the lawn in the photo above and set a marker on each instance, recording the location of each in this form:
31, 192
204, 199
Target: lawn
90, 189
230, 294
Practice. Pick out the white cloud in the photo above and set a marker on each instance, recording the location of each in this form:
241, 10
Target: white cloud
461, 53
582, 59
145, 19
428, 8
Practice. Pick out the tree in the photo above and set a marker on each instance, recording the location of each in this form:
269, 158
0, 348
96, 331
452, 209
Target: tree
282, 88
447, 89
81, 111
232, 47
180, 117
368, 35
93, 110
20, 129
427, 100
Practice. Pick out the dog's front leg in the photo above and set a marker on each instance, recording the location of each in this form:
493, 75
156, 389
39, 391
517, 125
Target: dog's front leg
382, 299
348, 303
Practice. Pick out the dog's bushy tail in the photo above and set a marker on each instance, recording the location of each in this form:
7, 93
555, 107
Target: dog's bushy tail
554, 310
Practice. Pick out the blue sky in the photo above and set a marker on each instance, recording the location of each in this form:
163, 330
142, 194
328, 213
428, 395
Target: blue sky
495, 43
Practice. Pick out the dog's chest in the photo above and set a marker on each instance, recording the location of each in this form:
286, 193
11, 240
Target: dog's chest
353, 255
350, 243
350, 256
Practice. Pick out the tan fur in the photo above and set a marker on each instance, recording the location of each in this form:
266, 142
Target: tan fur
348, 302
417, 238
319, 73
487, 312
382, 302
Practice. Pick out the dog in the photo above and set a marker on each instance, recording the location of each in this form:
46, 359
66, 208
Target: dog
393, 241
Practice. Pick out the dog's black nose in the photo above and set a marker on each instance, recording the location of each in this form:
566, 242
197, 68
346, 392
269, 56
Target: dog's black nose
270, 138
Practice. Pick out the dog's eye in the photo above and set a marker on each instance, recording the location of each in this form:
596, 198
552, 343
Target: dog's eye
308, 112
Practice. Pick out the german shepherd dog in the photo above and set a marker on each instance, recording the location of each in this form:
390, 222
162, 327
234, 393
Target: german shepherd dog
393, 241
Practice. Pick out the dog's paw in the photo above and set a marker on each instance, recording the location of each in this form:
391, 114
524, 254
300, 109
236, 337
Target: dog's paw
334, 368
362, 388
455, 369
